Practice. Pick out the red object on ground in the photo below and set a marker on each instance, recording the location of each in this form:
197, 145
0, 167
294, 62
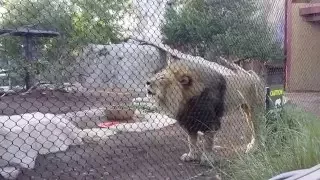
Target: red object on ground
108, 124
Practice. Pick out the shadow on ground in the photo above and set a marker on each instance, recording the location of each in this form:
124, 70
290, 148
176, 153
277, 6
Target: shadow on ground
140, 156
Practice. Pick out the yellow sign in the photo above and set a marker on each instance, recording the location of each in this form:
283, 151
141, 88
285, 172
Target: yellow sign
276, 92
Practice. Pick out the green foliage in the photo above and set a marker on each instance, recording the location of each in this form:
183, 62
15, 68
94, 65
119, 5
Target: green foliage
228, 28
79, 22
289, 139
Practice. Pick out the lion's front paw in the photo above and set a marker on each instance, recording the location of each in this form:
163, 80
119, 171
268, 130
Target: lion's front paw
189, 157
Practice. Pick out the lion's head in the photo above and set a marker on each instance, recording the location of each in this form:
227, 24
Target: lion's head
172, 87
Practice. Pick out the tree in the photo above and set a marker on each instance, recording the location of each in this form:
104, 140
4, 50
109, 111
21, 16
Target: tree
79, 22
220, 28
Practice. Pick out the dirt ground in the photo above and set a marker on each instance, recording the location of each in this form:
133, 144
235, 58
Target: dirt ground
146, 155
138, 156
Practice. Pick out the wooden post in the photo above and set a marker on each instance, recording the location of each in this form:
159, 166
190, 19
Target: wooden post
267, 99
29, 77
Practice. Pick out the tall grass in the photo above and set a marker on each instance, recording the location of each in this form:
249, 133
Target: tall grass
289, 139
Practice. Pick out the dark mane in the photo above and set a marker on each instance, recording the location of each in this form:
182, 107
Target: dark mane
204, 112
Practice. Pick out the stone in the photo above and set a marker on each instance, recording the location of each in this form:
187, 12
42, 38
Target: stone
25, 136
119, 113
87, 118
125, 65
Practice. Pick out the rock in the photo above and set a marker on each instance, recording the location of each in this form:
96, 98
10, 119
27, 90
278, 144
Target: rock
25, 136
96, 134
151, 121
125, 65
119, 113
144, 103
138, 116
87, 118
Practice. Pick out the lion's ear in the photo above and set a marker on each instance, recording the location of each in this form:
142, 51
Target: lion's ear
185, 80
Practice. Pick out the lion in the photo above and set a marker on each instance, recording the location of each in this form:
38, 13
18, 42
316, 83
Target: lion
198, 97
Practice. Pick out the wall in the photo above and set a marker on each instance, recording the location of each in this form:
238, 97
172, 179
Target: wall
125, 66
305, 53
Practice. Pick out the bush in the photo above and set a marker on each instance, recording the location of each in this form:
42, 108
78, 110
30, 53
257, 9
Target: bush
210, 28
79, 23
289, 139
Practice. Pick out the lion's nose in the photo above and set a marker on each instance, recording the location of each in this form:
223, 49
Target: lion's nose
148, 83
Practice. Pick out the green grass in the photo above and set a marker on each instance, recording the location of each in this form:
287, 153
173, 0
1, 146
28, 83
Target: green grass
289, 139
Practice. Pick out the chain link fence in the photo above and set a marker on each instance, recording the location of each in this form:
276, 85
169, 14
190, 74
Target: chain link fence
141, 89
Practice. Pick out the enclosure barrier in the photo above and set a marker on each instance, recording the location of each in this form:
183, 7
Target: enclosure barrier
149, 89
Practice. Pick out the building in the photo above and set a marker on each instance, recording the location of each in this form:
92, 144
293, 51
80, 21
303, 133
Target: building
302, 42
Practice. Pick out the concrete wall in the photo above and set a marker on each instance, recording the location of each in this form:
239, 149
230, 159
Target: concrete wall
305, 53
125, 66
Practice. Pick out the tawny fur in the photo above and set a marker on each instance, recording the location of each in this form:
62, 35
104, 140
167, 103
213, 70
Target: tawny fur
194, 95
244, 91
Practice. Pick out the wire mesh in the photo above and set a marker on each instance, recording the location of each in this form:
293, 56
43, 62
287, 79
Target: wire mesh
143, 89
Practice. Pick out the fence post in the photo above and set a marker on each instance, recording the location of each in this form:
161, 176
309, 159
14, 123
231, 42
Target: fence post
267, 98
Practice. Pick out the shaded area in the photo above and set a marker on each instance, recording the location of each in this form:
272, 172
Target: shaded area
57, 102
147, 155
